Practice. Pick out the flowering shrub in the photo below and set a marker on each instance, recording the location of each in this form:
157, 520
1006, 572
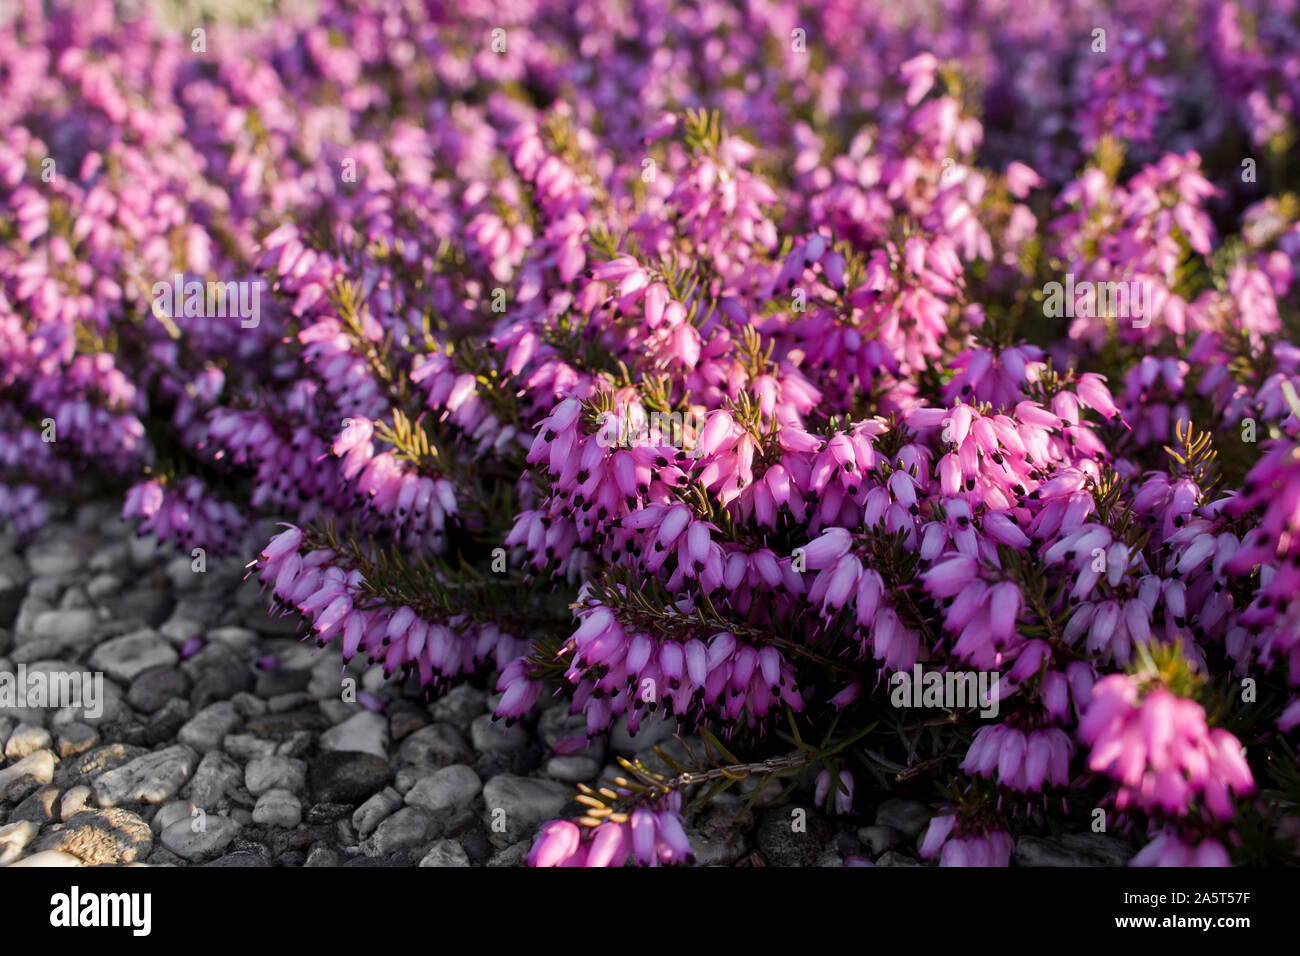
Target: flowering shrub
965, 344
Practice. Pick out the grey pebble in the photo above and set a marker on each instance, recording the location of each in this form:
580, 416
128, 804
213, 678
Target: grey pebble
374, 811
153, 688
459, 705
125, 658
151, 778
216, 776
209, 727
200, 838
406, 828
908, 817
516, 805
572, 769
275, 773
435, 745
279, 808
879, 838
347, 777
445, 853
448, 789
490, 736
363, 732
247, 747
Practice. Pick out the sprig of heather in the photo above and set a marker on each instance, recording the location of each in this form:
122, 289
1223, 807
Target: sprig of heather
431, 629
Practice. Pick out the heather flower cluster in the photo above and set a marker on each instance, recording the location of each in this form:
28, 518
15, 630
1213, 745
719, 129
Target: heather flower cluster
968, 342
651, 837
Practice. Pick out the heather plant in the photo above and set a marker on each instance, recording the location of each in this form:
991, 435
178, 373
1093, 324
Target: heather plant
702, 361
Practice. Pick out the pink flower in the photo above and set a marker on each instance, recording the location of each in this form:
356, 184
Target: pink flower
1169, 849
1021, 179
558, 842
1161, 751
